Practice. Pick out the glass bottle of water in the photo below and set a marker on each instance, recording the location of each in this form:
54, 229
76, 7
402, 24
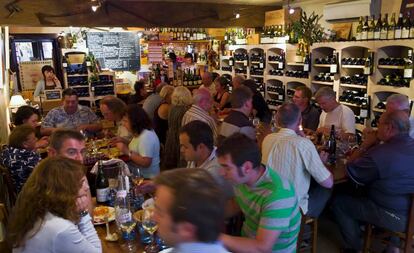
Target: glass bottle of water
124, 219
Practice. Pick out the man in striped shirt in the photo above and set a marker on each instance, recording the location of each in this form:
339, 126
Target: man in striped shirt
199, 110
267, 201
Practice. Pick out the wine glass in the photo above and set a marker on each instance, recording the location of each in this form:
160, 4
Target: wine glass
256, 122
137, 178
150, 225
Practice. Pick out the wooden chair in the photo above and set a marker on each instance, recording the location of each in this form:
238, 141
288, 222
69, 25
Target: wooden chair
407, 236
4, 247
7, 190
312, 234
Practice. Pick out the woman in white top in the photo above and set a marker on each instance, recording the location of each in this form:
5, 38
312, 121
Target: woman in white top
49, 81
50, 213
144, 148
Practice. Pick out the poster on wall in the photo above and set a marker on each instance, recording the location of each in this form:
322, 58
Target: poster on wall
30, 73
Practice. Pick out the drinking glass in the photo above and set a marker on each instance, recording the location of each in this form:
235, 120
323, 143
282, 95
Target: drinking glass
150, 225
137, 178
256, 122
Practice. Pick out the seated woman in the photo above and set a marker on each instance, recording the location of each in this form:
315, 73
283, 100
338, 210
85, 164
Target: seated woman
161, 113
140, 93
19, 155
222, 97
144, 148
30, 116
49, 81
50, 213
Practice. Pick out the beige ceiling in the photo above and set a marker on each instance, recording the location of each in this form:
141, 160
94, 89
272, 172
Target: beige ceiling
146, 13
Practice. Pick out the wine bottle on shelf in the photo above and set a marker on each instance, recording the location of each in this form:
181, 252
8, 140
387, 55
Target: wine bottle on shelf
298, 56
398, 27
306, 63
368, 63
371, 28
364, 107
384, 28
391, 28
377, 29
102, 185
405, 33
411, 35
331, 146
365, 28
358, 35
64, 62
408, 66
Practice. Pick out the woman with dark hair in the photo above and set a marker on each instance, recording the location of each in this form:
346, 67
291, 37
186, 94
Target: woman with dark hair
30, 116
161, 113
260, 107
20, 156
50, 213
140, 93
49, 81
222, 96
144, 148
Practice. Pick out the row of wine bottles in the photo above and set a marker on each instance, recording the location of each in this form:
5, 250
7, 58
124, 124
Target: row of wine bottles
395, 79
192, 77
181, 33
357, 79
324, 77
355, 97
385, 28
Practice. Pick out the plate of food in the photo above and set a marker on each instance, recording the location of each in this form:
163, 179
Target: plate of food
100, 212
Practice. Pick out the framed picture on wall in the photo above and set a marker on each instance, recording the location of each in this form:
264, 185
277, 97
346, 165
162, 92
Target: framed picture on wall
30, 73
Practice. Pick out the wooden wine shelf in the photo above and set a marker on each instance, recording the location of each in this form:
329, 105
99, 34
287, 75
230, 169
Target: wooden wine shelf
389, 67
257, 76
273, 77
323, 65
353, 86
295, 64
273, 92
323, 83
178, 41
77, 75
256, 62
378, 110
350, 104
274, 62
353, 66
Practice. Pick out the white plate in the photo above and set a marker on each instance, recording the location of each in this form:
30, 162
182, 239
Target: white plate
147, 203
101, 219
166, 250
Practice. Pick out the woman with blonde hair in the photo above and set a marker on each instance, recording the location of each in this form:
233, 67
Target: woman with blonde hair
160, 118
181, 100
50, 213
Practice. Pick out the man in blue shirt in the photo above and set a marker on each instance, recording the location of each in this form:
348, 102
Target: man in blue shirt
386, 171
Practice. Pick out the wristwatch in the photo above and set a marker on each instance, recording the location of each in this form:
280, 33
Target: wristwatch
84, 213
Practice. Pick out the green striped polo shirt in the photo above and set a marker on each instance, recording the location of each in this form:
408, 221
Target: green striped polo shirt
271, 204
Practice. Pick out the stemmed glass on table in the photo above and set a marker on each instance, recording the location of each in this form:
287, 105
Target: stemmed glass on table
150, 225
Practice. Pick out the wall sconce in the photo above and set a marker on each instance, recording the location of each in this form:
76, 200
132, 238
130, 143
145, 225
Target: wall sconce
16, 101
291, 10
95, 4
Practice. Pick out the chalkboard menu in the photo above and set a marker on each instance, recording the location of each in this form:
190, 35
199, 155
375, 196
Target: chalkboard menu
115, 50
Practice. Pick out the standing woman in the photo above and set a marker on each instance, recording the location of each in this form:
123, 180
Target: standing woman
161, 113
49, 81
50, 213
181, 100
144, 148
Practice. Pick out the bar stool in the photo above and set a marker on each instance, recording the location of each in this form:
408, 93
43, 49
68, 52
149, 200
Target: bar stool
406, 236
312, 234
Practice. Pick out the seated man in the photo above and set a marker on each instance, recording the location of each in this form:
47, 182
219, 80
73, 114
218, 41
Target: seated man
189, 211
334, 113
70, 115
400, 102
203, 103
296, 158
68, 143
386, 172
208, 84
267, 200
310, 114
197, 148
238, 119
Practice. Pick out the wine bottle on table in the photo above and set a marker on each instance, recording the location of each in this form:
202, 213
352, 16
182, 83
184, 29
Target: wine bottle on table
102, 185
331, 146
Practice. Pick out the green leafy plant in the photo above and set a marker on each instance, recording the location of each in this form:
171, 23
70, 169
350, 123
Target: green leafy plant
307, 28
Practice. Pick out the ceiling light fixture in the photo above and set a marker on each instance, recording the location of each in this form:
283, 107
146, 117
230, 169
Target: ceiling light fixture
237, 15
95, 4
291, 10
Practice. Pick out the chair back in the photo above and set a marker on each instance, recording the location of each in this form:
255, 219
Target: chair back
3, 224
7, 190
410, 228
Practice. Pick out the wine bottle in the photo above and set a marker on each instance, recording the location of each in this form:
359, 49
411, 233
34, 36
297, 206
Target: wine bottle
365, 28
378, 27
364, 107
412, 29
391, 28
306, 63
371, 28
405, 33
408, 67
102, 185
359, 29
331, 146
384, 28
398, 27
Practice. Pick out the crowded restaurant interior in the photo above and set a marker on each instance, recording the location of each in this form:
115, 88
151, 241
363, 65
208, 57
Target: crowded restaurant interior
184, 126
